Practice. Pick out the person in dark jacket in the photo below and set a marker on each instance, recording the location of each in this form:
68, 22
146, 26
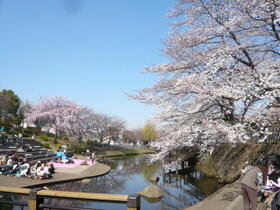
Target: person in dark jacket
275, 205
251, 182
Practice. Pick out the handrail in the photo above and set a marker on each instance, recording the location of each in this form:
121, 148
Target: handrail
83, 195
16, 190
37, 195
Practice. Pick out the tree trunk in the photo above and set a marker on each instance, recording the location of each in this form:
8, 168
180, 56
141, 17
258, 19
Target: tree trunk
55, 138
80, 138
101, 139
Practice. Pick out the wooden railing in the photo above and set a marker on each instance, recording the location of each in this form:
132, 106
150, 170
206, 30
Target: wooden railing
37, 195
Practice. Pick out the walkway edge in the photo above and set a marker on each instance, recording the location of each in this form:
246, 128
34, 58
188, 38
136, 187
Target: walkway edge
225, 198
68, 175
236, 204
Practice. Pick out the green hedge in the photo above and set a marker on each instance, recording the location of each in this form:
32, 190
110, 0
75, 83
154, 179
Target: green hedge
47, 145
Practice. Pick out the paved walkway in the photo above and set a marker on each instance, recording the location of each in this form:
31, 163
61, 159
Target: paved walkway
61, 175
226, 198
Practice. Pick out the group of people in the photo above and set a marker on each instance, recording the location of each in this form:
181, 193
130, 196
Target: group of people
263, 180
17, 166
63, 157
90, 155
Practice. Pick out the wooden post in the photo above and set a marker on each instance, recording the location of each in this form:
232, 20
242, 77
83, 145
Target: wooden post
34, 201
133, 202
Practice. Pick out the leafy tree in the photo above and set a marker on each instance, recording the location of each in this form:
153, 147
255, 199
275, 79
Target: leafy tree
25, 107
9, 105
223, 74
149, 132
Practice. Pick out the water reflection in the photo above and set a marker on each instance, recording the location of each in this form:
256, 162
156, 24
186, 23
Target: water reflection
131, 175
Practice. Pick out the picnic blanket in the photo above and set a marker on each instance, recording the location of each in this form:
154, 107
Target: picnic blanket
76, 163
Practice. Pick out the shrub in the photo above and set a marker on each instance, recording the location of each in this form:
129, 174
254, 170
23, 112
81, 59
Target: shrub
47, 145
58, 146
29, 131
26, 134
90, 142
4, 135
44, 138
50, 134
76, 148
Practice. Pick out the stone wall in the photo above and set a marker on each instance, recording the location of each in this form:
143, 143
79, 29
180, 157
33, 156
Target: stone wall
226, 161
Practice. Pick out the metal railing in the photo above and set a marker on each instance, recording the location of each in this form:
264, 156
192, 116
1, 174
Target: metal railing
37, 196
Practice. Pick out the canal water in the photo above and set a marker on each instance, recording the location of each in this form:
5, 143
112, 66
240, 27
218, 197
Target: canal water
132, 174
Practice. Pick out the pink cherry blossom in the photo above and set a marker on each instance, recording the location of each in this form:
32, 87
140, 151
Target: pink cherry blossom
222, 81
63, 115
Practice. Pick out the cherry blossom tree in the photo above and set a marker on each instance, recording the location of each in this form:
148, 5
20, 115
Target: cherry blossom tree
63, 115
107, 125
66, 117
80, 122
222, 81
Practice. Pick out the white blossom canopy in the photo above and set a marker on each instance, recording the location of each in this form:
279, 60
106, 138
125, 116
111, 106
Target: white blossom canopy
222, 81
63, 115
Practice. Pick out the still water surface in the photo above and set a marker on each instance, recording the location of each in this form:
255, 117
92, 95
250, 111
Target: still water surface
132, 174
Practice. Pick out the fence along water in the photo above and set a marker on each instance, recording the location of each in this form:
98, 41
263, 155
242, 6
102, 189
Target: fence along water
37, 195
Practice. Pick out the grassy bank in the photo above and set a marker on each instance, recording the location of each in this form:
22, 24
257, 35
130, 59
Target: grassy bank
48, 142
125, 152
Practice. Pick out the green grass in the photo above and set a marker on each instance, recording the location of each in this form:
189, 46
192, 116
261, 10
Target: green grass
49, 143
126, 152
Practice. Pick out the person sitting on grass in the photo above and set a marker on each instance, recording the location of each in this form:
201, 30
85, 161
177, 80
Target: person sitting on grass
274, 180
45, 171
26, 172
49, 170
33, 170
12, 171
40, 172
10, 161
52, 168
272, 184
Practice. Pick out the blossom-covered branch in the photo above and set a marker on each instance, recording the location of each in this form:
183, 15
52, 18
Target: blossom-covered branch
222, 83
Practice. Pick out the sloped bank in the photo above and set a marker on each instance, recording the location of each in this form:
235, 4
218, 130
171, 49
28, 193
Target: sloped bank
226, 161
125, 152
224, 199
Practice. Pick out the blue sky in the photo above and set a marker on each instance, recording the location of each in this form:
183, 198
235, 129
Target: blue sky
89, 51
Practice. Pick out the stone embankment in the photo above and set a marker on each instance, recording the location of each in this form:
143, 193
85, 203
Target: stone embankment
225, 162
226, 198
